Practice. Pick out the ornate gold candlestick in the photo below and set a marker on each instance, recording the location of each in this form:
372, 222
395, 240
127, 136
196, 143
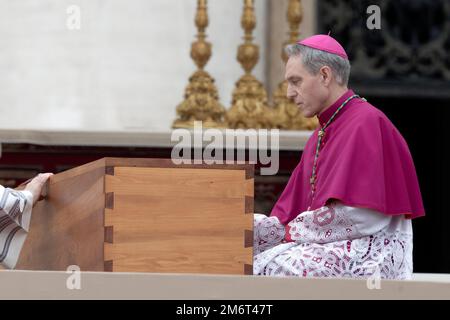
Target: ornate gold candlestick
287, 115
249, 103
201, 97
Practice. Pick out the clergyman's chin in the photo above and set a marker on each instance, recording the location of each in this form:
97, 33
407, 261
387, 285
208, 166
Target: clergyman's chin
308, 115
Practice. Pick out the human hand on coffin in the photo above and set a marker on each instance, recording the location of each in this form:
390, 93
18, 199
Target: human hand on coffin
36, 185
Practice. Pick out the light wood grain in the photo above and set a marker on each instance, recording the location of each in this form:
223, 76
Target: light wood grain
186, 182
179, 220
144, 215
67, 228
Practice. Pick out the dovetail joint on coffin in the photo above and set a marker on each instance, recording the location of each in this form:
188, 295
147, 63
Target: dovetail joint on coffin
248, 204
248, 269
109, 170
108, 266
109, 200
109, 234
248, 238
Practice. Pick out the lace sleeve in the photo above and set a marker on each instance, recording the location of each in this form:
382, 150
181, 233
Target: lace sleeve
335, 222
268, 232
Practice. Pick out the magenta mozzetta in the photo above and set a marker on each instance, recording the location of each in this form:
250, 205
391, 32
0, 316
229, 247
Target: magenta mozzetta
364, 162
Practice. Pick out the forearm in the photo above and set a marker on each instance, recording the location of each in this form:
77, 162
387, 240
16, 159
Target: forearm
15, 216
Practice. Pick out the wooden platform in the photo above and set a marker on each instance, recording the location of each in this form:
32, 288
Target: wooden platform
106, 285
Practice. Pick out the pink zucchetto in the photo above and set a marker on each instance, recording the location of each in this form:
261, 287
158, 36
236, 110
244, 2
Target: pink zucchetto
325, 43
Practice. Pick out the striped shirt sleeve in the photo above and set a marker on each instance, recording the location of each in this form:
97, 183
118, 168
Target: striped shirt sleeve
15, 216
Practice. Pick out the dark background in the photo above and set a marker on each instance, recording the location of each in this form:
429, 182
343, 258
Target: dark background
423, 122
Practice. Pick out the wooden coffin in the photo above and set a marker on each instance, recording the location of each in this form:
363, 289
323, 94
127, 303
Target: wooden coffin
144, 215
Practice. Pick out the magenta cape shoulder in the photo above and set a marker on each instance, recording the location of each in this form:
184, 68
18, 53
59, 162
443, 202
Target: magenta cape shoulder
364, 162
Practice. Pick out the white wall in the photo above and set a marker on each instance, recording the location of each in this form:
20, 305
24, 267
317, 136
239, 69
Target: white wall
125, 69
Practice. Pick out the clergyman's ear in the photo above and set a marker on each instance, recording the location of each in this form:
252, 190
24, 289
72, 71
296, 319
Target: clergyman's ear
325, 74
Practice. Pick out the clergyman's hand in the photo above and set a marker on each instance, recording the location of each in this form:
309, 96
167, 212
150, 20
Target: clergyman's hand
35, 186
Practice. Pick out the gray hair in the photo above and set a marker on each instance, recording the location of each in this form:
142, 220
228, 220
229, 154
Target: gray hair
314, 59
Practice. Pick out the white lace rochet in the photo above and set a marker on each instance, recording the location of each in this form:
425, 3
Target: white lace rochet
334, 241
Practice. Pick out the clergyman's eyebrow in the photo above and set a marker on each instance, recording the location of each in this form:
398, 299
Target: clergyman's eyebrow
291, 78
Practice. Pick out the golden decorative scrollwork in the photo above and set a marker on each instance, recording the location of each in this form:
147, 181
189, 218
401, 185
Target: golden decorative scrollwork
286, 114
249, 103
201, 96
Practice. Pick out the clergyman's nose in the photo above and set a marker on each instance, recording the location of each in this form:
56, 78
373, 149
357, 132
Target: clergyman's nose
290, 94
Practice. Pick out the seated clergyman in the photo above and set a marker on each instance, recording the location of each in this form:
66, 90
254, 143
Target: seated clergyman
347, 208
